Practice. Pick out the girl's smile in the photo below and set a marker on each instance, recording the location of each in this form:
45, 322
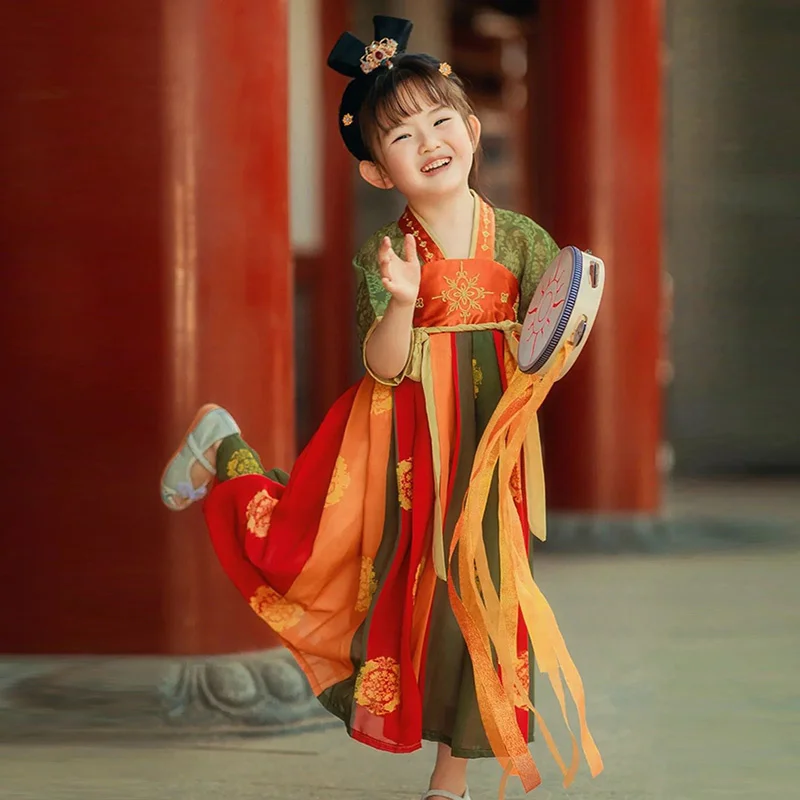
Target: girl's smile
436, 165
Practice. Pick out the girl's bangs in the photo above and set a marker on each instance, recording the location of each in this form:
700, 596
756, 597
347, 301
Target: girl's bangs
407, 93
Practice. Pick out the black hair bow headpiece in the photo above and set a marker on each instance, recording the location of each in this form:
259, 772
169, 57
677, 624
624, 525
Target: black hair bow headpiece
362, 62
351, 57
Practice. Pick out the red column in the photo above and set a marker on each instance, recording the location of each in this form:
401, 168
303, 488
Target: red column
227, 269
327, 277
143, 210
600, 126
333, 285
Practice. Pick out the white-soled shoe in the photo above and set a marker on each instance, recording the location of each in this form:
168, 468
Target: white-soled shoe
211, 424
447, 795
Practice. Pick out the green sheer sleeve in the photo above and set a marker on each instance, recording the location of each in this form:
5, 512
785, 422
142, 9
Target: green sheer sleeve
524, 248
371, 296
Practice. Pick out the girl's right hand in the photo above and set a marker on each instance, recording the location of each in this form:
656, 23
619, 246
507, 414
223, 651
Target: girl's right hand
400, 277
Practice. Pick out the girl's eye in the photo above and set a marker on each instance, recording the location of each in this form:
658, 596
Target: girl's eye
401, 136
440, 121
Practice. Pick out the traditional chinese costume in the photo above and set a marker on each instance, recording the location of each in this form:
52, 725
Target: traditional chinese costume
394, 561
346, 559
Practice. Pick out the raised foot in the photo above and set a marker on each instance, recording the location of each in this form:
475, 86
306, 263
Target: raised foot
193, 465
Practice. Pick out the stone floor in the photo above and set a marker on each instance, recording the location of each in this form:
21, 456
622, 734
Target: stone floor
691, 667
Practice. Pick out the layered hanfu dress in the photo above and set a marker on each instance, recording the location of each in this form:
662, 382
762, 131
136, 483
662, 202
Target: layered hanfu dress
347, 558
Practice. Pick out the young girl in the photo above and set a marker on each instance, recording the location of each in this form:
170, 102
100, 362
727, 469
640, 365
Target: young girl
348, 559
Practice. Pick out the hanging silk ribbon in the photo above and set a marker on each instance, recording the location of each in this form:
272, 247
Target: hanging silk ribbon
488, 620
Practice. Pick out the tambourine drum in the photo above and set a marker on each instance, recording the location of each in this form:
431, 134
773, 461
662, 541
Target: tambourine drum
563, 309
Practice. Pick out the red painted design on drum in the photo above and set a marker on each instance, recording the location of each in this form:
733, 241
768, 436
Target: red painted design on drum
547, 305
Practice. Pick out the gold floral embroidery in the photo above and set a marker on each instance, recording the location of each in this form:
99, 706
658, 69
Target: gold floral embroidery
381, 399
503, 297
420, 303
419, 235
378, 686
524, 673
463, 294
275, 610
486, 225
243, 462
259, 513
339, 483
516, 484
477, 377
515, 308
405, 483
367, 584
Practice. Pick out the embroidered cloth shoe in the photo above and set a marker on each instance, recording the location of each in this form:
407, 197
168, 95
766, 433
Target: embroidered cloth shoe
433, 793
211, 424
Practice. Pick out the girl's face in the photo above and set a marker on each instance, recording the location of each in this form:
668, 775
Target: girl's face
430, 153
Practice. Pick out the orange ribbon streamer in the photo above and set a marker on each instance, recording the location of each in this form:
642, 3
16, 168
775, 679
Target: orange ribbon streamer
488, 620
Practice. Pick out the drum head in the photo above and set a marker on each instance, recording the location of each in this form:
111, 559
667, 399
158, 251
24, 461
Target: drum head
563, 306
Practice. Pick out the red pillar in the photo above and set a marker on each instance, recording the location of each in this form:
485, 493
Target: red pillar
600, 126
229, 321
143, 210
334, 296
326, 277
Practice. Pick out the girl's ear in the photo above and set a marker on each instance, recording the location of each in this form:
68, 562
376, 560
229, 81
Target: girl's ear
374, 175
474, 126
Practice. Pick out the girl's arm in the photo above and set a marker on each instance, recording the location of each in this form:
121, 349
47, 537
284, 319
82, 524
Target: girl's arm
388, 347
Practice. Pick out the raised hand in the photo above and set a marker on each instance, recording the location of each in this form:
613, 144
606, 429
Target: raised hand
400, 276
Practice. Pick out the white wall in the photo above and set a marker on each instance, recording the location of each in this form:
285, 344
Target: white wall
305, 123
733, 234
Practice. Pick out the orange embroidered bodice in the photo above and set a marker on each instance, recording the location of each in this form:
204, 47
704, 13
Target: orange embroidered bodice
468, 291
465, 292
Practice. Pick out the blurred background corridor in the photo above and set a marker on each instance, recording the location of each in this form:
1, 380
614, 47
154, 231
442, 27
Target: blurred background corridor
178, 217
